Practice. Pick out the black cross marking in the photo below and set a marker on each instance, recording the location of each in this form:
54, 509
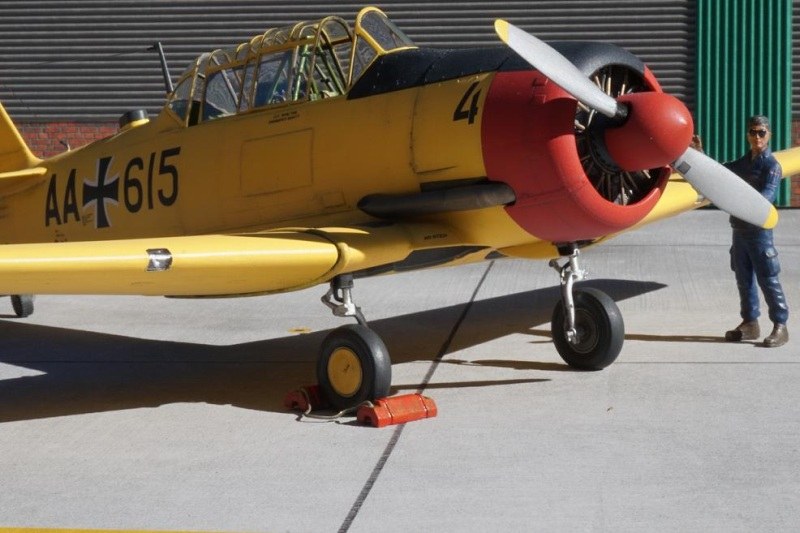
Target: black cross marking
99, 192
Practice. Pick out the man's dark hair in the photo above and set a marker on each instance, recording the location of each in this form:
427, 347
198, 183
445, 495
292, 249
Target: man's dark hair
758, 120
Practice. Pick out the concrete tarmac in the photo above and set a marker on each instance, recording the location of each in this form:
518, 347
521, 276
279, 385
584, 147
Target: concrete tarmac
158, 414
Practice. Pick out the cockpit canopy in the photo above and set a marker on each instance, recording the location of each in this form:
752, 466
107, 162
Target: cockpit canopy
307, 61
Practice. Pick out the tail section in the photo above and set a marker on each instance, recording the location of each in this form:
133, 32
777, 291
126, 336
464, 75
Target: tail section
14, 153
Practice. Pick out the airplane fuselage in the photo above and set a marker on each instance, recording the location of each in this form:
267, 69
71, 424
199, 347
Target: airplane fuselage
309, 164
305, 164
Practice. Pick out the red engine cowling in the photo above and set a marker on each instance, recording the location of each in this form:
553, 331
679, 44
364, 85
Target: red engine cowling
532, 140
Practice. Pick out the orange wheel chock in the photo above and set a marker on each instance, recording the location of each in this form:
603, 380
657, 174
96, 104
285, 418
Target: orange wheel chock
397, 410
304, 398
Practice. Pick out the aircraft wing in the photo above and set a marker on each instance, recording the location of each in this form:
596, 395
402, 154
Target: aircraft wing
259, 262
789, 160
680, 196
223, 265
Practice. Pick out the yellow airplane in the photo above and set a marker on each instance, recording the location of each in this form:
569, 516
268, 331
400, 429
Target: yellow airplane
322, 153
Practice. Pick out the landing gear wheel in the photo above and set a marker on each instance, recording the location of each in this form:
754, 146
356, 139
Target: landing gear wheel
353, 366
600, 331
22, 304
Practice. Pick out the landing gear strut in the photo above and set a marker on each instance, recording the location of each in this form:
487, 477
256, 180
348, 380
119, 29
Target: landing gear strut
587, 325
353, 364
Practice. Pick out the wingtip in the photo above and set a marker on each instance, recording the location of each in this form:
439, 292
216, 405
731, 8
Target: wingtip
772, 218
501, 28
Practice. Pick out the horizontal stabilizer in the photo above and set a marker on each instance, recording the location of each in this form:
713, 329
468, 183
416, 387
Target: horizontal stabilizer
20, 180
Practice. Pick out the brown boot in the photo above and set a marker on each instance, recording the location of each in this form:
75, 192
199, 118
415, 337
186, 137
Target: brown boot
778, 337
746, 331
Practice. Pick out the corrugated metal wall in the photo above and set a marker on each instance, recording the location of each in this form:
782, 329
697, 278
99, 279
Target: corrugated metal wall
88, 59
796, 59
744, 67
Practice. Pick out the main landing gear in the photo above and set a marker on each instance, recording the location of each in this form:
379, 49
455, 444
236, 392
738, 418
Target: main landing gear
22, 304
587, 325
353, 364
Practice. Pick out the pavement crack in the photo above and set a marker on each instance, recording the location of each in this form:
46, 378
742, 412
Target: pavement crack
398, 431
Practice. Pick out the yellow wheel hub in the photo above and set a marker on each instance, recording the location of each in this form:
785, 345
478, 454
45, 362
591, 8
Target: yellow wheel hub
344, 372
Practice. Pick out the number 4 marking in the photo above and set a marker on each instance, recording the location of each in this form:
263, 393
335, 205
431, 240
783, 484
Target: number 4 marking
468, 114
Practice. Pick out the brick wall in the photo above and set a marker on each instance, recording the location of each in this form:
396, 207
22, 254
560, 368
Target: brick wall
47, 139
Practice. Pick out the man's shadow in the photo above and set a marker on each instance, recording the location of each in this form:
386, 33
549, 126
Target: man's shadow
75, 372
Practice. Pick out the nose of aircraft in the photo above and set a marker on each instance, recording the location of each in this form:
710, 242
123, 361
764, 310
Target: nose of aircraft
656, 132
714, 181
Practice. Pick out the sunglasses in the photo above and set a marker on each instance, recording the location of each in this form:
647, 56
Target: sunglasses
760, 133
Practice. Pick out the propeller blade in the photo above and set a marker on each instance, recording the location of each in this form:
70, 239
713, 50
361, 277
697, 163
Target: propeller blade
725, 189
558, 69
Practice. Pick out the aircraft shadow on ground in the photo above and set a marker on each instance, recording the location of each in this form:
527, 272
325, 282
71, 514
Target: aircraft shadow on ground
79, 372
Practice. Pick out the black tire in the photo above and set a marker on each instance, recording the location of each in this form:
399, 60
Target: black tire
600, 328
22, 304
353, 366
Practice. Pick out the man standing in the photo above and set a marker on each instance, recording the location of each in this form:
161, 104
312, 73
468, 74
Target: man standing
753, 254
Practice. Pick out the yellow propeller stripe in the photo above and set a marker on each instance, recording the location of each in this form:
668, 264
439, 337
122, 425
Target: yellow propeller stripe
501, 28
772, 219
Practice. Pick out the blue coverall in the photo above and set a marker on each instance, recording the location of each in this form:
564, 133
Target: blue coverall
753, 254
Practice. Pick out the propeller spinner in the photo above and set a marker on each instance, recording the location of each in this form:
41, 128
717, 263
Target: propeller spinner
647, 129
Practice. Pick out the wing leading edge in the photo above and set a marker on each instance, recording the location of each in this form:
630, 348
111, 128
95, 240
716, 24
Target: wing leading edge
216, 265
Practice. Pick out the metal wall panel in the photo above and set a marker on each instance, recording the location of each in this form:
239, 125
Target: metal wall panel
796, 59
744, 68
88, 59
